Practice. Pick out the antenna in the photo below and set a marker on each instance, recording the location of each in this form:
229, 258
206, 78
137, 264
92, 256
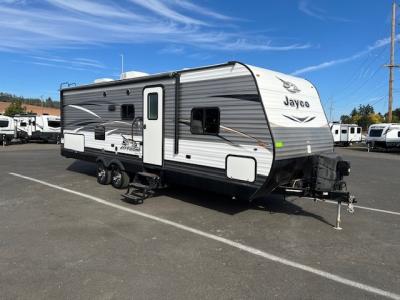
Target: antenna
122, 63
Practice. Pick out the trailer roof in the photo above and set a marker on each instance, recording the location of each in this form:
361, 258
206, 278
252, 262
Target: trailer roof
146, 78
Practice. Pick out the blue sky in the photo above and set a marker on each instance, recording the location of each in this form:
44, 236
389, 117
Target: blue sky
341, 46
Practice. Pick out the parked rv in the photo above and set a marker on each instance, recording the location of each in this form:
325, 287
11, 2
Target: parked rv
48, 128
6, 129
32, 127
233, 128
384, 136
346, 134
25, 126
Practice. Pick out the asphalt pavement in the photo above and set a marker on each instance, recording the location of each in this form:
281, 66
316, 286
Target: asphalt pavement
67, 245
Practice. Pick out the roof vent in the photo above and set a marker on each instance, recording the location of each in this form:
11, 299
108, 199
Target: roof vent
100, 80
133, 74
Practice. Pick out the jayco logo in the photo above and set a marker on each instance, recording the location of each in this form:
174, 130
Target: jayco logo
296, 103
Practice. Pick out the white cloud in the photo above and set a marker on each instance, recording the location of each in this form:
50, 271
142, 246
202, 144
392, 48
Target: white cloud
12, 1
76, 62
161, 9
244, 44
378, 44
172, 49
96, 9
317, 12
201, 10
73, 23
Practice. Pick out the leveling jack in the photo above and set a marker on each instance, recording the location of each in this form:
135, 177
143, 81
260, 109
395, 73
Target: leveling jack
337, 196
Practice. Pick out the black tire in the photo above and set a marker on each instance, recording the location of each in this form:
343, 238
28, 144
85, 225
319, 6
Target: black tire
119, 178
103, 174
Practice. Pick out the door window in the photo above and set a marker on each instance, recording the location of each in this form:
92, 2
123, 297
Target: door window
152, 106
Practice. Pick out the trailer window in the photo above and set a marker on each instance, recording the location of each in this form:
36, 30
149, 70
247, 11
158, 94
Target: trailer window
398, 133
344, 131
358, 130
100, 132
53, 124
375, 132
3, 123
336, 131
152, 106
22, 124
127, 112
352, 130
205, 120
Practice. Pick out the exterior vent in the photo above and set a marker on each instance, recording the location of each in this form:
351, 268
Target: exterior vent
133, 74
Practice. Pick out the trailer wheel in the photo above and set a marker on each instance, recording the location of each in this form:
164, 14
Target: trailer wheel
119, 178
103, 174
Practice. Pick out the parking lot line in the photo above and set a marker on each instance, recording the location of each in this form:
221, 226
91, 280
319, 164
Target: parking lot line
226, 241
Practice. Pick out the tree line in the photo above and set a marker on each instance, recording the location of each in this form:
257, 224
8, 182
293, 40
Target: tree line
365, 115
48, 102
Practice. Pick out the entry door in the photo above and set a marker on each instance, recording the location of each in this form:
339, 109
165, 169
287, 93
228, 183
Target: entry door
344, 133
153, 125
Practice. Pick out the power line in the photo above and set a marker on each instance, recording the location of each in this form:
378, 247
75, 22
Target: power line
352, 82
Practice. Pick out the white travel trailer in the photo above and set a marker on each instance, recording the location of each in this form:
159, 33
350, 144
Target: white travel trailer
385, 135
232, 128
346, 134
48, 128
32, 127
7, 129
25, 126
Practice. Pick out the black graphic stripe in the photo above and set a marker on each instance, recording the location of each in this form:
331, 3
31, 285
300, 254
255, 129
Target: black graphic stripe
291, 118
246, 97
91, 103
84, 123
300, 120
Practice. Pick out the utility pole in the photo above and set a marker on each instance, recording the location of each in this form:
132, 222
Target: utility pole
391, 65
42, 102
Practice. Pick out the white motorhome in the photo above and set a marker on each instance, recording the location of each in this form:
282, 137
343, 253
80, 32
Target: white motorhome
346, 134
232, 128
385, 135
7, 129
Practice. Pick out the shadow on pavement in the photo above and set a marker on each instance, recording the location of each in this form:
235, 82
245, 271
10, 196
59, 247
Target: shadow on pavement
273, 204
83, 167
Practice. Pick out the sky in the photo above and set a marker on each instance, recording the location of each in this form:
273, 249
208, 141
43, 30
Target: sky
341, 46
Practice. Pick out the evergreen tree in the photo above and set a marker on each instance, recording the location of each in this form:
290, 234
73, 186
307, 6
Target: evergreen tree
15, 108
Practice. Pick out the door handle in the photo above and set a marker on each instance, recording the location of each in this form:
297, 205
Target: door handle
144, 126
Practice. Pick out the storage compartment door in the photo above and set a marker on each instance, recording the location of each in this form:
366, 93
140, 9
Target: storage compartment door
74, 142
241, 168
